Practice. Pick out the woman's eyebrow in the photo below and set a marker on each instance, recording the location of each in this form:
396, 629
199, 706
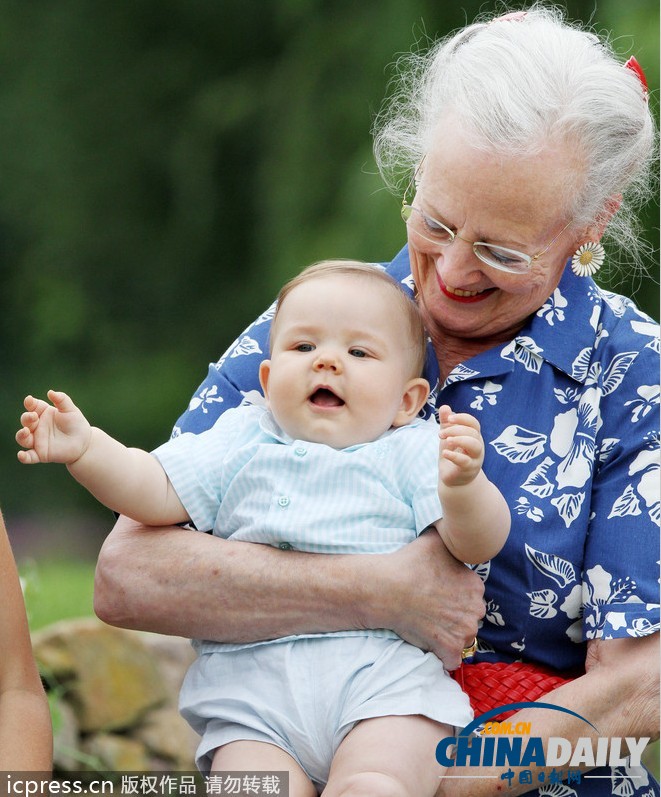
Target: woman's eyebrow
495, 240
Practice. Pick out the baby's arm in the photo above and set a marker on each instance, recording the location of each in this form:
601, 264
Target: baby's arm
128, 480
476, 519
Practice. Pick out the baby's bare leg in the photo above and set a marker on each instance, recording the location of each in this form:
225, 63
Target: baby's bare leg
388, 757
253, 757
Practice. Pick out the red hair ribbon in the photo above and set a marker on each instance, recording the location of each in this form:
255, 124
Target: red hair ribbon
513, 16
637, 69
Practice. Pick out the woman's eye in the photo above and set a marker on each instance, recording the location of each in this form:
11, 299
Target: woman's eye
437, 227
501, 257
357, 353
304, 347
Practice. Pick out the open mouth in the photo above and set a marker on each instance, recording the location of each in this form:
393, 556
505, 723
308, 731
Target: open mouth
464, 296
324, 397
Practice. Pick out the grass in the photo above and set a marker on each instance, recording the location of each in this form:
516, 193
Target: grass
57, 590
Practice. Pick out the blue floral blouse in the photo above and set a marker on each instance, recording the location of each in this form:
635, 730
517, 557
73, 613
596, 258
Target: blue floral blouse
569, 412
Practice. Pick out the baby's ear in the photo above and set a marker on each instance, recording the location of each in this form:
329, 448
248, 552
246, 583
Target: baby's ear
264, 374
413, 400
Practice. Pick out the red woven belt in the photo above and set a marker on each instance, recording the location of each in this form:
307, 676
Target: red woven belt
491, 684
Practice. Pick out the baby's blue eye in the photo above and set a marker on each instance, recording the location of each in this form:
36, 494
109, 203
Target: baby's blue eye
305, 347
357, 353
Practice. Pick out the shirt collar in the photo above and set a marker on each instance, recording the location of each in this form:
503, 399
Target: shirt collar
563, 331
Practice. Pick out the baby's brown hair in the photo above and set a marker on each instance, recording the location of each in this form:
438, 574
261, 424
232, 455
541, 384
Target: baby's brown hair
357, 268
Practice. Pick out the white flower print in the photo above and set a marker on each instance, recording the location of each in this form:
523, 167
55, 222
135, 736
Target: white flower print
528, 353
649, 398
569, 506
626, 505
557, 790
538, 482
555, 567
459, 373
624, 777
572, 605
647, 463
541, 603
246, 345
618, 304
206, 397
569, 395
641, 626
518, 444
486, 393
579, 367
650, 330
602, 334
431, 400
493, 614
524, 507
553, 310
573, 438
483, 570
616, 371
607, 447
599, 590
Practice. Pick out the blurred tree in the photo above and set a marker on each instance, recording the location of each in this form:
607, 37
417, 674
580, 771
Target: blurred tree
166, 165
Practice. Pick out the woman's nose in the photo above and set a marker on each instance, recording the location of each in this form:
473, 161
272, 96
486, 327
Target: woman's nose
457, 263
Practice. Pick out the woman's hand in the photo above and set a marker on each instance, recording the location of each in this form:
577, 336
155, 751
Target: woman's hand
429, 598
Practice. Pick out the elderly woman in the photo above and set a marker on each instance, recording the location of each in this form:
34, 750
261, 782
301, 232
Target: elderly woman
525, 141
26, 736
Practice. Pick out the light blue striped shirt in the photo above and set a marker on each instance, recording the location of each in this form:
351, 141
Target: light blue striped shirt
247, 480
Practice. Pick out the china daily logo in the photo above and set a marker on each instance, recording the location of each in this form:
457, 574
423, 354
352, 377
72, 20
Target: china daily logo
506, 744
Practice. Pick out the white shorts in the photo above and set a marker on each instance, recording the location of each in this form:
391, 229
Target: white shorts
306, 695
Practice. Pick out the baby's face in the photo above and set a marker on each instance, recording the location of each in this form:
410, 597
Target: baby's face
340, 361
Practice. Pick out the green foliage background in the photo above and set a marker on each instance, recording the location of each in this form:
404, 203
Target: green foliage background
165, 166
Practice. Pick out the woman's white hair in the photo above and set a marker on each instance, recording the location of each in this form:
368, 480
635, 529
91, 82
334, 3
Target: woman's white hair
516, 86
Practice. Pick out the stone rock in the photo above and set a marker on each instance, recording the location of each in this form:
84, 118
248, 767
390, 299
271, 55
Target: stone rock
175, 655
168, 736
111, 677
117, 753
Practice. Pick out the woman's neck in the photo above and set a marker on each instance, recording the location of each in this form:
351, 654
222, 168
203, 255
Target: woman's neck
450, 351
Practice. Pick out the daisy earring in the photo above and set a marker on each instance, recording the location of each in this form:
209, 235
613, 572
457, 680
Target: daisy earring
588, 259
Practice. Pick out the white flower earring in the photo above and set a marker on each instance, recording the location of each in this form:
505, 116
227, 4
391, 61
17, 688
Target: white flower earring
588, 259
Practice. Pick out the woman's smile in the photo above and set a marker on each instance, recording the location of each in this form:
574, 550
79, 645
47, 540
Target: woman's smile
464, 296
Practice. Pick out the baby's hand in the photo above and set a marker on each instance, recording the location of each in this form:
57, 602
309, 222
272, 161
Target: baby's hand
52, 433
462, 447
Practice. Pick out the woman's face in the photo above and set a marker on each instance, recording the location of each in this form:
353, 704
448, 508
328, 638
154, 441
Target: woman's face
513, 202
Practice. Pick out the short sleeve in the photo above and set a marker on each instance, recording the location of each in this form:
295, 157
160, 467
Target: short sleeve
620, 588
195, 464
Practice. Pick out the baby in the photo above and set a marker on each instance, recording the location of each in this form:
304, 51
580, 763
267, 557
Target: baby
336, 462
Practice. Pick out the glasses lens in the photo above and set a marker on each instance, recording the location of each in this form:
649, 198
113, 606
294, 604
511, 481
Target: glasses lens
502, 258
423, 225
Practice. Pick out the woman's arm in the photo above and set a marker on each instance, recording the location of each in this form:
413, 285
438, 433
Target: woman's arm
26, 738
176, 581
619, 695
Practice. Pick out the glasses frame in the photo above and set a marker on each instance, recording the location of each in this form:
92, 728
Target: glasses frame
408, 209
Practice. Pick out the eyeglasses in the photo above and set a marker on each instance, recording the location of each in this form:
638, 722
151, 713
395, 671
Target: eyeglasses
429, 229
